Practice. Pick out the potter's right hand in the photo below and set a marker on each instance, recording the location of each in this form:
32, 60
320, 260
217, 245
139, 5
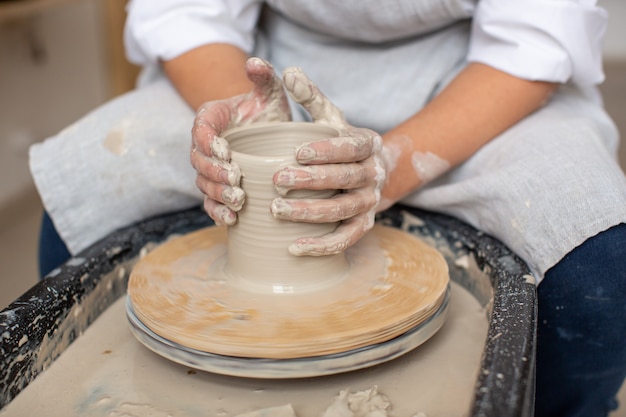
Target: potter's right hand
218, 179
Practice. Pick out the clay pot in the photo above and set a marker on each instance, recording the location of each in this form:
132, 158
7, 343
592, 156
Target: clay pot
258, 256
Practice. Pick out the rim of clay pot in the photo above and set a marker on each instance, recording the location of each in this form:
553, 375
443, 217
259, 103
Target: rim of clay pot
277, 131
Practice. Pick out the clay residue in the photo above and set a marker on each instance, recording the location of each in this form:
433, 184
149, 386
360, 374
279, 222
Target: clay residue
116, 141
234, 198
428, 166
220, 149
381, 176
366, 403
390, 155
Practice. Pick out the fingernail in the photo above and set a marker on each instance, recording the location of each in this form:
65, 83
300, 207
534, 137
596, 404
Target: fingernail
305, 154
280, 208
284, 181
220, 149
285, 177
230, 218
230, 175
226, 216
296, 250
282, 191
304, 247
234, 198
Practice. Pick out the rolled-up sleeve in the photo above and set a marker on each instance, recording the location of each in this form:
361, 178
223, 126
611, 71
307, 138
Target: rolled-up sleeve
164, 29
540, 40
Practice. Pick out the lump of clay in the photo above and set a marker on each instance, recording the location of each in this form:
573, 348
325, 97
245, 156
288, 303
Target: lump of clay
367, 403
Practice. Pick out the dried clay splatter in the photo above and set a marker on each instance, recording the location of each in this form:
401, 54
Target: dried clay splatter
428, 166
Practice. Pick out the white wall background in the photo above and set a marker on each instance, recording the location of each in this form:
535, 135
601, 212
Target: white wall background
615, 41
52, 71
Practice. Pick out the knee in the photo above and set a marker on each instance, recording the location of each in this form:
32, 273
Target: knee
582, 297
594, 270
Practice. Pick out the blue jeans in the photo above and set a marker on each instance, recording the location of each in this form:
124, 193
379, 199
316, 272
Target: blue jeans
52, 250
581, 334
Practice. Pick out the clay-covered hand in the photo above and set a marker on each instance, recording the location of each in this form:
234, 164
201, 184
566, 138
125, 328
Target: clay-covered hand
217, 178
350, 162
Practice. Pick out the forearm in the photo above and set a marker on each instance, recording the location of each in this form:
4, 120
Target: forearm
209, 72
479, 104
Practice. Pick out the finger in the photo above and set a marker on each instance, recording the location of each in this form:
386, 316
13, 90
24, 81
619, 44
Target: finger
216, 170
261, 73
340, 207
322, 177
267, 101
306, 93
211, 121
221, 215
347, 234
340, 149
232, 197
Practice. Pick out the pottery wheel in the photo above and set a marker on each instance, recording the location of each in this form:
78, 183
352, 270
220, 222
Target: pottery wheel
394, 285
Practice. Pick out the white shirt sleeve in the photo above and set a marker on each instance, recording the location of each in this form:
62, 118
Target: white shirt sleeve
165, 29
542, 40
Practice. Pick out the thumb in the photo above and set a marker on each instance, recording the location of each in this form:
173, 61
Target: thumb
306, 93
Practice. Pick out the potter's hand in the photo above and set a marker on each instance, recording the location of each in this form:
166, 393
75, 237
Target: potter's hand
217, 178
350, 162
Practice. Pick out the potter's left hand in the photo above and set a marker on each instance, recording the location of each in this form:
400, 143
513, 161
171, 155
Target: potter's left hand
350, 162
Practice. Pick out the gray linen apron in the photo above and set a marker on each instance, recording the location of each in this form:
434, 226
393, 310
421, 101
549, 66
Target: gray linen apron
543, 187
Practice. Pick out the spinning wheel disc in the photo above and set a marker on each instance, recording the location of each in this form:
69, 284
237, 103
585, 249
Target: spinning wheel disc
180, 294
